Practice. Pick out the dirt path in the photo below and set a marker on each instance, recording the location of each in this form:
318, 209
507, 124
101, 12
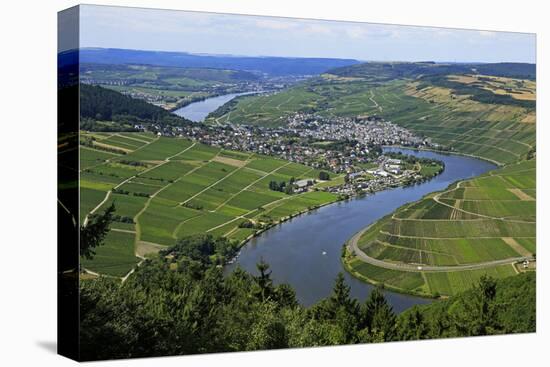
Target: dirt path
112, 147
210, 186
108, 194
148, 202
174, 234
353, 245
521, 195
437, 197
133, 138
250, 185
230, 161
516, 246
122, 230
144, 248
137, 232
373, 101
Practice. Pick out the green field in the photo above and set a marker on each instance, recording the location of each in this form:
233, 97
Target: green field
170, 188
115, 257
475, 222
268, 110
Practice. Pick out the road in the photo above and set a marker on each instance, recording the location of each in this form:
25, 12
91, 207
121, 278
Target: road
353, 245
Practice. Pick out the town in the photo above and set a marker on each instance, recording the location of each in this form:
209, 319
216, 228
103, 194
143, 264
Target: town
350, 148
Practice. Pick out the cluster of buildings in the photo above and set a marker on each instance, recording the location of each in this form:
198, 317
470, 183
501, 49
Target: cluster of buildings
342, 145
338, 144
386, 172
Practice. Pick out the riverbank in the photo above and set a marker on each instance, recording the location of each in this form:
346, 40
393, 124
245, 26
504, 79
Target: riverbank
340, 198
306, 252
281, 221
435, 246
385, 286
198, 109
189, 101
446, 152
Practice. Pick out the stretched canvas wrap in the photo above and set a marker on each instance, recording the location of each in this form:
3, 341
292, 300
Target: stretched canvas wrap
238, 183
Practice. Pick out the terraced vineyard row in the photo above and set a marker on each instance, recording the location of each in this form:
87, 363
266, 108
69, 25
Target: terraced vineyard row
443, 243
167, 188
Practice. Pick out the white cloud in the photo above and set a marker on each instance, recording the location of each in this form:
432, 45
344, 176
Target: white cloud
487, 33
276, 24
103, 26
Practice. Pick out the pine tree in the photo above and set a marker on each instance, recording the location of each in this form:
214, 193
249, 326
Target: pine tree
264, 280
413, 326
378, 315
93, 234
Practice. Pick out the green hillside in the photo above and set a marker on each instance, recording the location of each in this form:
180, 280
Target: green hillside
98, 104
442, 244
384, 71
489, 116
167, 188
479, 311
166, 86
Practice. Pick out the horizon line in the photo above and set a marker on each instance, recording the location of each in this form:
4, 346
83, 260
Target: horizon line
298, 57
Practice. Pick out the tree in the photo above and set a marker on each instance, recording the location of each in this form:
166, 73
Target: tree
344, 310
93, 234
324, 176
268, 331
285, 296
340, 299
264, 280
478, 314
204, 249
278, 186
412, 326
378, 315
341, 293
289, 190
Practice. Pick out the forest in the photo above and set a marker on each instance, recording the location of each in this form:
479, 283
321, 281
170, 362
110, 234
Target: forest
182, 303
107, 105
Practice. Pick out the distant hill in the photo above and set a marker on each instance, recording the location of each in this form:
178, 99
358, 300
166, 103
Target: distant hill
276, 66
385, 71
103, 104
148, 74
509, 69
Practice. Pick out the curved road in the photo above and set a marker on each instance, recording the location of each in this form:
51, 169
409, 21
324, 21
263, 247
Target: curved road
353, 245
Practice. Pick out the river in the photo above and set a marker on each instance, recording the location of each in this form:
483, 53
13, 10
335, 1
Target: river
305, 251
198, 111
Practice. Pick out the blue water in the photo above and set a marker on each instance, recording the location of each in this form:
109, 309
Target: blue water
198, 111
294, 249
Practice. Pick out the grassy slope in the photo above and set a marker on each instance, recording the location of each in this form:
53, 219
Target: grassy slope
499, 131
488, 218
217, 193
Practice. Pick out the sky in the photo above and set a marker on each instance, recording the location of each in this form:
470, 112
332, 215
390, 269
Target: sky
210, 33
